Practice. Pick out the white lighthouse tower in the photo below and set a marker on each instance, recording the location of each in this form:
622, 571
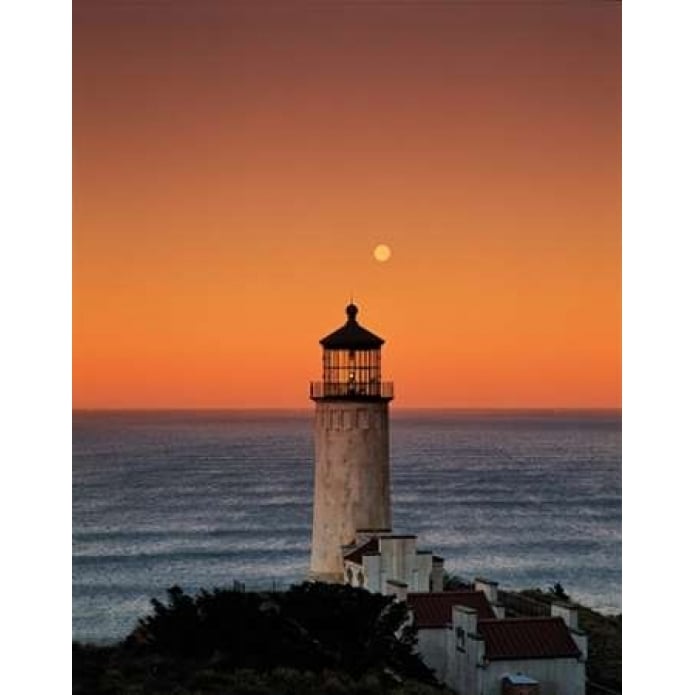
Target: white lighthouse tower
351, 435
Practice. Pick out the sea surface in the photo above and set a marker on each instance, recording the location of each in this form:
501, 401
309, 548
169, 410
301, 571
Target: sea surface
206, 498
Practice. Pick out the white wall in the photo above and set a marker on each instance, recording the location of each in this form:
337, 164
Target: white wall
463, 674
397, 560
397, 557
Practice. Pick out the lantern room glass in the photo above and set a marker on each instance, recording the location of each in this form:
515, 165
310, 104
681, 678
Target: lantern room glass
352, 372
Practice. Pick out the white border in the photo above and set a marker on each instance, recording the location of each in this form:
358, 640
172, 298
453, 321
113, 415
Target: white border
35, 285
658, 266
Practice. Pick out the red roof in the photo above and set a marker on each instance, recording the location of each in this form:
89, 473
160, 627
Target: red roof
371, 546
527, 638
434, 609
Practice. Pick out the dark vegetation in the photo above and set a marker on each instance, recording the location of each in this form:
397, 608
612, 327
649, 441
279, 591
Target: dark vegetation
313, 639
452, 582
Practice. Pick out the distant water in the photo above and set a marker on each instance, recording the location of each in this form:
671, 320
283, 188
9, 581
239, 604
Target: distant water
201, 499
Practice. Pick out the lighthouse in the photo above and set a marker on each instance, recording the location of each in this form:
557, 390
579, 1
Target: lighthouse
352, 495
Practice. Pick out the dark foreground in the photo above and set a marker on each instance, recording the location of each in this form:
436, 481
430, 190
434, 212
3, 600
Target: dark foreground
315, 639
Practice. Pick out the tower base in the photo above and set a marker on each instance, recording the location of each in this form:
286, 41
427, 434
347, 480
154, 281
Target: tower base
327, 577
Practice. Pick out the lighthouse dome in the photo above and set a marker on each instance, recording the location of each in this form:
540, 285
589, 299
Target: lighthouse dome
352, 336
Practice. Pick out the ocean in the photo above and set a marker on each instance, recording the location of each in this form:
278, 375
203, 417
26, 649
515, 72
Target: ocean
206, 498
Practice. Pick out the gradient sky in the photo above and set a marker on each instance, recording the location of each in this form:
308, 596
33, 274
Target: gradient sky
235, 163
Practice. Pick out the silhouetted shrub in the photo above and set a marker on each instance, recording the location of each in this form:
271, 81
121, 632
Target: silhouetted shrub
313, 628
452, 582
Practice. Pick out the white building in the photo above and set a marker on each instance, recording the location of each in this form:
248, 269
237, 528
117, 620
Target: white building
476, 653
390, 564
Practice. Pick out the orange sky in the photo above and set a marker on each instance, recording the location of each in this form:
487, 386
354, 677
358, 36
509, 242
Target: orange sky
235, 163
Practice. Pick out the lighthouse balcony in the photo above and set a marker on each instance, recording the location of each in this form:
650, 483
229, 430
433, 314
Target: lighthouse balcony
351, 390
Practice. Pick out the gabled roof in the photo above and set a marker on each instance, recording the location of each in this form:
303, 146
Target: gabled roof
351, 336
527, 638
369, 547
433, 609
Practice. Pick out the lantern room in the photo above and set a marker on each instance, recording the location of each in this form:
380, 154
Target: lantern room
352, 363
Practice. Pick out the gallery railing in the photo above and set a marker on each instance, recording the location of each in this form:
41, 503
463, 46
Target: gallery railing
326, 389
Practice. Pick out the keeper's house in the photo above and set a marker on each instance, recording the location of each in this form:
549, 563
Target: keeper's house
476, 651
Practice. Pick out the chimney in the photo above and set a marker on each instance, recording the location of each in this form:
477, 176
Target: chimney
498, 610
437, 575
489, 588
567, 612
581, 640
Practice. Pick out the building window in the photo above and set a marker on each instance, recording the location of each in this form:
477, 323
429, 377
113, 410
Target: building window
360, 579
460, 639
348, 576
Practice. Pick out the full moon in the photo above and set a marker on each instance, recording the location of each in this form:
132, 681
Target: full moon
382, 253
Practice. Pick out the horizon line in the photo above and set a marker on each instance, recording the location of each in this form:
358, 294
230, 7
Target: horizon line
308, 408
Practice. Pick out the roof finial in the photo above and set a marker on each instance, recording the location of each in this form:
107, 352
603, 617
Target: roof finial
351, 311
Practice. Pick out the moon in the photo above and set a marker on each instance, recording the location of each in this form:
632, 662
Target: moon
382, 253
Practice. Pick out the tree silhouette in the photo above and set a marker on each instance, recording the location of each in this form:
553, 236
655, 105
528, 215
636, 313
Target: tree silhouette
311, 627
558, 591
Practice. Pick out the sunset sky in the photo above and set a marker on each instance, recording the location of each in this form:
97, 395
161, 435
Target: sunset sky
236, 163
